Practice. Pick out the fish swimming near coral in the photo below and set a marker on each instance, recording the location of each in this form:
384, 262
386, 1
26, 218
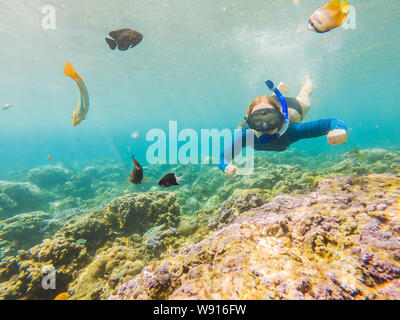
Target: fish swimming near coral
354, 153
136, 176
82, 106
81, 241
153, 231
328, 17
120, 273
124, 39
50, 158
169, 180
6, 106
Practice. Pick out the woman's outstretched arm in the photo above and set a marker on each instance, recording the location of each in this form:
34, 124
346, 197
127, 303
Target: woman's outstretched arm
336, 130
233, 149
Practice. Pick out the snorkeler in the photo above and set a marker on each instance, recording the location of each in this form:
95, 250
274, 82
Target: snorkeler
275, 123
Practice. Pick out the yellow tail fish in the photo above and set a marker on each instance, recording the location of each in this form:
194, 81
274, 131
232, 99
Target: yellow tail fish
328, 17
82, 107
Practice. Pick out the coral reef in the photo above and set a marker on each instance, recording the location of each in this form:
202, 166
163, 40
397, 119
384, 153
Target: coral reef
137, 212
76, 241
21, 276
298, 227
48, 176
26, 230
18, 197
110, 266
340, 241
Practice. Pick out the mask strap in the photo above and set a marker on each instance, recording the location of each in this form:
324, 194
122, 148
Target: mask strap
285, 110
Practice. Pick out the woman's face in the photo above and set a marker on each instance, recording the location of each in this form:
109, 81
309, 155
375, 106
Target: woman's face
269, 132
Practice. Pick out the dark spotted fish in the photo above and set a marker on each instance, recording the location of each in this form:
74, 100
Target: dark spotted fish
136, 176
124, 39
169, 180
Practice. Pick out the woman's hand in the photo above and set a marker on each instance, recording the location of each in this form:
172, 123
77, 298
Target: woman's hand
336, 137
230, 170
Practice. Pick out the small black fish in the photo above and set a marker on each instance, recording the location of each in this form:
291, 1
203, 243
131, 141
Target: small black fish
124, 38
169, 180
136, 176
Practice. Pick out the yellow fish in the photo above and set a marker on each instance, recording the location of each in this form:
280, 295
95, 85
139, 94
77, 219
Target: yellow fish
62, 296
82, 107
328, 17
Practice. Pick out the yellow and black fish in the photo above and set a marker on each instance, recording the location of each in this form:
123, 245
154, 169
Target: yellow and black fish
328, 17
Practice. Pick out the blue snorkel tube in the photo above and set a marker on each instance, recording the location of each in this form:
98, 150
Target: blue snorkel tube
281, 132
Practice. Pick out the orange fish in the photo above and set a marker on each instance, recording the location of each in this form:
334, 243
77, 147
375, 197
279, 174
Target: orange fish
328, 17
62, 296
50, 158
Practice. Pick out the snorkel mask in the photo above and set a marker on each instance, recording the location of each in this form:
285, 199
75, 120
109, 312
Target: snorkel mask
264, 120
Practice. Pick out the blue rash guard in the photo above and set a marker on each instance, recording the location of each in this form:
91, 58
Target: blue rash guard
295, 132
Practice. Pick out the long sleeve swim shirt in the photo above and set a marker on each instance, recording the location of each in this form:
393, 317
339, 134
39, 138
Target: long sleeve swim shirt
295, 132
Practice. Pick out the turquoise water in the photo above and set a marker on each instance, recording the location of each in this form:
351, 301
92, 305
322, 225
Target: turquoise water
199, 63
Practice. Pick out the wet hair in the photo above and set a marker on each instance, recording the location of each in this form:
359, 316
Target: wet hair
261, 99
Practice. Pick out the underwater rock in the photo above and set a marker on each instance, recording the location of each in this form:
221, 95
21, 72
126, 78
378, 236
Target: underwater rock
77, 241
191, 205
155, 245
213, 203
92, 227
23, 231
6, 203
19, 197
138, 212
186, 227
21, 276
66, 203
374, 154
79, 187
350, 166
110, 267
322, 245
232, 208
91, 172
48, 176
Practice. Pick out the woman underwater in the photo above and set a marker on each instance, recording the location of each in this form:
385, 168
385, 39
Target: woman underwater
275, 123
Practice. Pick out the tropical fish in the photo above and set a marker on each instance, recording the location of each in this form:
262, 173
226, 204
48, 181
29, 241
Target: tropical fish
62, 296
81, 241
82, 106
134, 135
120, 273
124, 39
136, 176
153, 231
6, 106
328, 17
354, 153
49, 158
169, 180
